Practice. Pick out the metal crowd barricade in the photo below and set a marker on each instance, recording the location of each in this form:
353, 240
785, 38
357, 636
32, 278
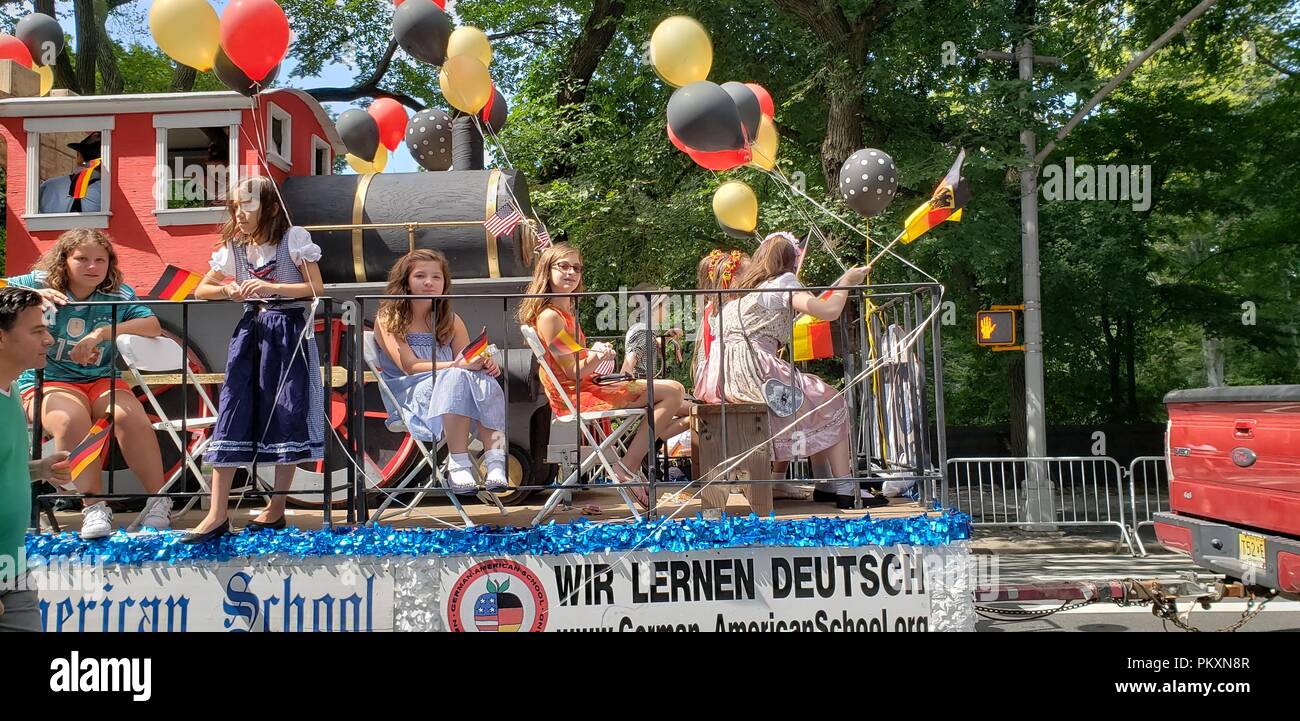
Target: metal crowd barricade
1084, 491
907, 310
1148, 483
108, 466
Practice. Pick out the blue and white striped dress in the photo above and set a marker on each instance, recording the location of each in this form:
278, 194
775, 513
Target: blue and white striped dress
426, 397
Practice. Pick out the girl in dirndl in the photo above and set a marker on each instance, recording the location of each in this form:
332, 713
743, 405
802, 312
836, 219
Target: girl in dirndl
754, 327
272, 404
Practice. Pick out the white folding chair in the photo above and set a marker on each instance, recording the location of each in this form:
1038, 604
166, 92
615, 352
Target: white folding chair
163, 355
596, 442
428, 457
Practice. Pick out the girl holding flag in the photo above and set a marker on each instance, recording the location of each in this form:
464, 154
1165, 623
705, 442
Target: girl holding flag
559, 270
77, 392
754, 327
272, 404
444, 382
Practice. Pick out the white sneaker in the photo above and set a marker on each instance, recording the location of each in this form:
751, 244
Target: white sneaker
460, 473
96, 522
157, 514
498, 478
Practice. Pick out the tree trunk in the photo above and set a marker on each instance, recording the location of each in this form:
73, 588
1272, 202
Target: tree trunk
1212, 352
106, 57
1113, 362
183, 77
587, 51
87, 46
1019, 412
1130, 360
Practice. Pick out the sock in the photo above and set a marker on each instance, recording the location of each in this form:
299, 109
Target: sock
460, 474
496, 465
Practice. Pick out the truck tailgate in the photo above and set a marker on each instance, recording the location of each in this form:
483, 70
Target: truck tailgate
1234, 455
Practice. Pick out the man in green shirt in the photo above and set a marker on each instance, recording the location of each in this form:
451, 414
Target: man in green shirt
24, 340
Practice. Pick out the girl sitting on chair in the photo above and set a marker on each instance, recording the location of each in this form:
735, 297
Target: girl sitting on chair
559, 270
82, 266
754, 327
442, 393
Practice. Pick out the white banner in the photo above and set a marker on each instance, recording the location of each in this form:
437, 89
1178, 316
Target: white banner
870, 589
331, 596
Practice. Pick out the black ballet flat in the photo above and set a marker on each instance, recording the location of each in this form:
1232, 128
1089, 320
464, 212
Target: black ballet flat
218, 532
276, 525
820, 496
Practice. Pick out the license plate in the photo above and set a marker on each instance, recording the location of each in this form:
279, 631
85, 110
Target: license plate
1250, 549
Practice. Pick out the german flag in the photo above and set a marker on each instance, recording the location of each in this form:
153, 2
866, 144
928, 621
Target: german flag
564, 344
477, 348
812, 339
175, 284
91, 448
945, 203
82, 183
4, 283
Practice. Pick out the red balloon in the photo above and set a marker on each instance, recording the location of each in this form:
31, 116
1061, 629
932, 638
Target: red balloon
719, 160
390, 116
440, 3
255, 36
11, 48
765, 103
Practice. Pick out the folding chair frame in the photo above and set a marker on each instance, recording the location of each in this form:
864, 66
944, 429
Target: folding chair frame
428, 457
592, 433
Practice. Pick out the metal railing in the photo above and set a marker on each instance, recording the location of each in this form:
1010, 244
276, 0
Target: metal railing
1148, 483
911, 412
1079, 491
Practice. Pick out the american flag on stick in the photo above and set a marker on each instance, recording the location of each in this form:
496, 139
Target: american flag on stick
503, 221
543, 237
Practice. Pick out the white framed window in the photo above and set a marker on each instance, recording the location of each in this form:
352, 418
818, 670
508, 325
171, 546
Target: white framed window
322, 156
193, 168
279, 137
52, 170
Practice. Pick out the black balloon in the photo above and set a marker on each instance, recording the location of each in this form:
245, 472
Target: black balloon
360, 133
232, 77
422, 29
704, 117
428, 137
494, 114
747, 104
42, 36
868, 181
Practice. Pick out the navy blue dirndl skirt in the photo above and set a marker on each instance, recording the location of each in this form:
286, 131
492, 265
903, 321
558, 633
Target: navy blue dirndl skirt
272, 404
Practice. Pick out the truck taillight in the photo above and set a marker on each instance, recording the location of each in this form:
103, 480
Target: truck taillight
1288, 571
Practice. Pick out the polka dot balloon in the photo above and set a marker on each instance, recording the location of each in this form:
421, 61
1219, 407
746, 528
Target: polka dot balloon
428, 137
868, 181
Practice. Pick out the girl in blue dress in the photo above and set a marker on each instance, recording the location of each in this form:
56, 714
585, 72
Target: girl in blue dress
442, 395
272, 408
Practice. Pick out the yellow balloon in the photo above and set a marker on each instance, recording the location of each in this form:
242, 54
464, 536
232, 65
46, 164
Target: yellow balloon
736, 206
470, 41
47, 78
189, 31
680, 51
361, 167
381, 159
765, 145
465, 83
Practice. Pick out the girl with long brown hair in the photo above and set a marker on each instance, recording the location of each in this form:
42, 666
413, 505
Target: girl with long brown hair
82, 266
754, 327
559, 270
272, 404
442, 393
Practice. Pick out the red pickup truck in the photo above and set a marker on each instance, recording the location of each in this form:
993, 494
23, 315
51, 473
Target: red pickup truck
1234, 482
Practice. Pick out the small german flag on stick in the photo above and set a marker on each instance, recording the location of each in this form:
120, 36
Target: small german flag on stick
564, 344
91, 448
175, 284
477, 348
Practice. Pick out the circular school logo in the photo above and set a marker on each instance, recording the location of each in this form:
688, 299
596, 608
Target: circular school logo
497, 595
